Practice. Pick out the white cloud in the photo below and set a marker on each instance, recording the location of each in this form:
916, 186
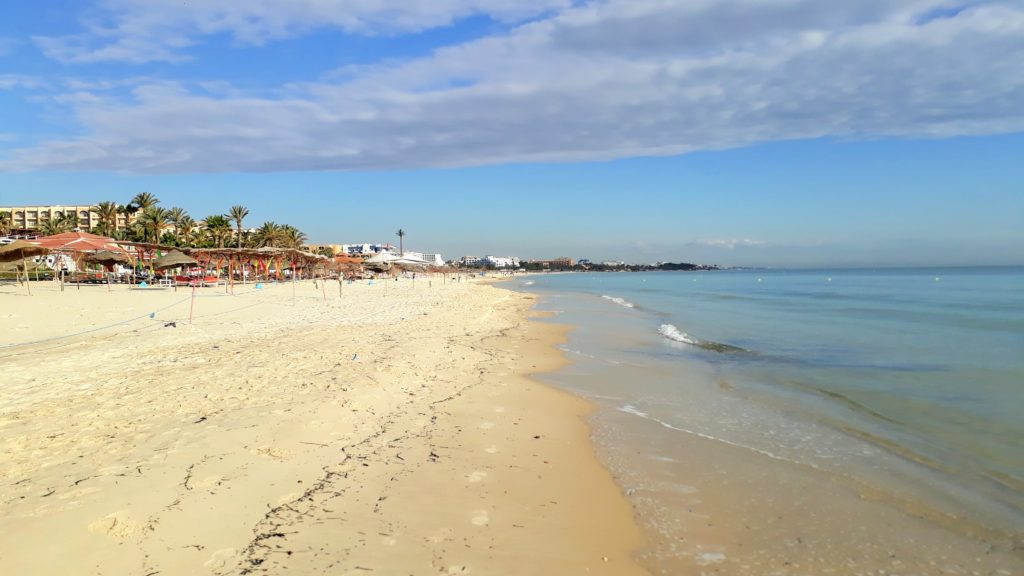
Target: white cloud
606, 80
11, 81
149, 30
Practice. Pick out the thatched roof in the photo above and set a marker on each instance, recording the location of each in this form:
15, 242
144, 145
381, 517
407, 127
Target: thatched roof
19, 250
107, 257
174, 259
78, 242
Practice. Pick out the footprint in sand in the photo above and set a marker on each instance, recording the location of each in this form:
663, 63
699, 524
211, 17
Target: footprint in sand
117, 525
457, 570
269, 451
491, 449
487, 425
221, 558
709, 558
476, 476
481, 518
440, 536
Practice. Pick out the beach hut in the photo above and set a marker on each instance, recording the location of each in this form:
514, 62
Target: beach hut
78, 242
19, 250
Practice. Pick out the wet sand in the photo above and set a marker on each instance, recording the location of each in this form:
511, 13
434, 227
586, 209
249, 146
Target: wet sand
386, 429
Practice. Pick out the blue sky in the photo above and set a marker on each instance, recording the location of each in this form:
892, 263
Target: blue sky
755, 132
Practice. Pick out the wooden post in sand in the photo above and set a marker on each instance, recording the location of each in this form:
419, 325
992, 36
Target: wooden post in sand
192, 306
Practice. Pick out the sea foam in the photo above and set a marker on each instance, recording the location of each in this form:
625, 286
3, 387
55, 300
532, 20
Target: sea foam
675, 334
619, 301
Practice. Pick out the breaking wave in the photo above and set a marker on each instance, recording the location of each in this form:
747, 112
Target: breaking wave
670, 332
619, 301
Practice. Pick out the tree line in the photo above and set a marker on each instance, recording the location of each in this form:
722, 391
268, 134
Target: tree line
148, 221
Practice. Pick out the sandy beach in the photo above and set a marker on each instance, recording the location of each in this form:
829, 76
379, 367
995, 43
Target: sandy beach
362, 429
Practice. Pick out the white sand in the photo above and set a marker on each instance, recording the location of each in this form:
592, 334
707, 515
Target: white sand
387, 430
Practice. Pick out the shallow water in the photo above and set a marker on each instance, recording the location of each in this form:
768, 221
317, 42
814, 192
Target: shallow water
905, 383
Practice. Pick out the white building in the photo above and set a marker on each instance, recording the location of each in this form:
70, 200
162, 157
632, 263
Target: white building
501, 261
433, 259
367, 249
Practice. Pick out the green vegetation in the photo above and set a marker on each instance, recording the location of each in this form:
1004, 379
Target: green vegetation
151, 222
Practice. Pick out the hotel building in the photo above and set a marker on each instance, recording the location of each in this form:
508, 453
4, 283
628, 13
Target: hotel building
31, 218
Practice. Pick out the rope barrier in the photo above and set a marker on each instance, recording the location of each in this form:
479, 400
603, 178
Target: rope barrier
154, 313
129, 320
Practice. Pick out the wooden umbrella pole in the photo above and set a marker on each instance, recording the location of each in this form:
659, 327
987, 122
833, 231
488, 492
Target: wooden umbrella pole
28, 284
192, 306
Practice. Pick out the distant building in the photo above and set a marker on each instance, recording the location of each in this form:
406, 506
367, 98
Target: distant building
433, 259
334, 248
563, 262
501, 261
490, 261
366, 250
613, 264
31, 218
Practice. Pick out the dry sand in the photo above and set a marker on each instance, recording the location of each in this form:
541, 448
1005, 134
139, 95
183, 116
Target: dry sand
389, 429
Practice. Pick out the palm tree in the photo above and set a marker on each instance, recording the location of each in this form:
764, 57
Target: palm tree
107, 213
292, 237
238, 213
128, 211
184, 228
401, 244
5, 223
59, 225
218, 227
267, 235
174, 216
155, 219
144, 201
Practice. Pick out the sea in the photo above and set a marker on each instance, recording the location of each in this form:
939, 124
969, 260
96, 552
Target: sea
806, 421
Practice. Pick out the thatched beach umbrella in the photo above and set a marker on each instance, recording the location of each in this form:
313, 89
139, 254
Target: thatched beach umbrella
173, 259
107, 259
20, 250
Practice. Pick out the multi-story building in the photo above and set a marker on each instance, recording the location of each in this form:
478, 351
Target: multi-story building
433, 259
366, 250
501, 261
31, 218
489, 261
334, 248
563, 262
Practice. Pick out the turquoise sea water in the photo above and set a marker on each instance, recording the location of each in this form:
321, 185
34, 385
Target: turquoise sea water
903, 375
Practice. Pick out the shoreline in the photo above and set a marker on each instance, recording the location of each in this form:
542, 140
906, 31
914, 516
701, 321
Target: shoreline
397, 432
710, 505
